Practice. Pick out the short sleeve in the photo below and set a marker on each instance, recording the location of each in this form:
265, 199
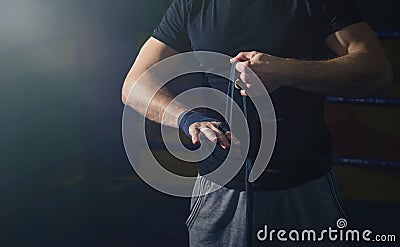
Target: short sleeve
337, 14
172, 29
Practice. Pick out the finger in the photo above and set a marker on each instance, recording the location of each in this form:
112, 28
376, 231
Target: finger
221, 137
245, 81
246, 76
228, 135
235, 143
195, 133
236, 85
239, 84
233, 138
196, 137
209, 134
243, 93
243, 67
242, 56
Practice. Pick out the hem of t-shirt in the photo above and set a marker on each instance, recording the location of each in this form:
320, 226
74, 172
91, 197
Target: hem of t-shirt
272, 180
169, 42
341, 25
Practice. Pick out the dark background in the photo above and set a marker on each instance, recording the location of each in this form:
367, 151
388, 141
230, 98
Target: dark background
64, 177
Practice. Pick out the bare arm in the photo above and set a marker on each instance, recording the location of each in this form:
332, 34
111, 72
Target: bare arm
135, 93
139, 87
360, 70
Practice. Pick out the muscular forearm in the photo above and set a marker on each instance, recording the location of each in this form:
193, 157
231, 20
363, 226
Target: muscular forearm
159, 108
354, 75
360, 70
142, 90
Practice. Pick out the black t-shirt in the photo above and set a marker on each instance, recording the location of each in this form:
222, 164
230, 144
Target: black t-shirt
285, 28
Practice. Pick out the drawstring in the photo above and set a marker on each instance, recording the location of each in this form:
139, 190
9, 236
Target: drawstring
229, 94
249, 163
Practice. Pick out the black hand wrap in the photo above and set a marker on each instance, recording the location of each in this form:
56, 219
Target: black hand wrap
190, 117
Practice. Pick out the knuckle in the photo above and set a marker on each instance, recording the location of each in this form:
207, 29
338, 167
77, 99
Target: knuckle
194, 125
192, 130
218, 132
204, 125
209, 125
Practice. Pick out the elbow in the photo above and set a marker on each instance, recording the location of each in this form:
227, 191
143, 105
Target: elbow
126, 89
378, 81
124, 95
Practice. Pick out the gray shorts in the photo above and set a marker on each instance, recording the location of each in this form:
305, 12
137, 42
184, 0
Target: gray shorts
218, 218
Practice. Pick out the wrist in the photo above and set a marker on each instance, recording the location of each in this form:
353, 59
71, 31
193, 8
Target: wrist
188, 118
182, 118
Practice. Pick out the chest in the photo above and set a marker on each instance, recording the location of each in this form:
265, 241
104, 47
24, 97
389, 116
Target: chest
278, 27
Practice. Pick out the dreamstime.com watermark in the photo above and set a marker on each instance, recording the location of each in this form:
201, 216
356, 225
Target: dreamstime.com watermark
340, 234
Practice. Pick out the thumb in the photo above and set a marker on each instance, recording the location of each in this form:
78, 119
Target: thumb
241, 57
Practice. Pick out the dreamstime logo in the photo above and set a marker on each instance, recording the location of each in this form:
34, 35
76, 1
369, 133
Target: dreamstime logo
134, 134
341, 223
330, 234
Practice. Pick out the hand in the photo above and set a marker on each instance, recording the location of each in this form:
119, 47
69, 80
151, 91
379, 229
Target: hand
211, 130
273, 71
215, 133
195, 124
